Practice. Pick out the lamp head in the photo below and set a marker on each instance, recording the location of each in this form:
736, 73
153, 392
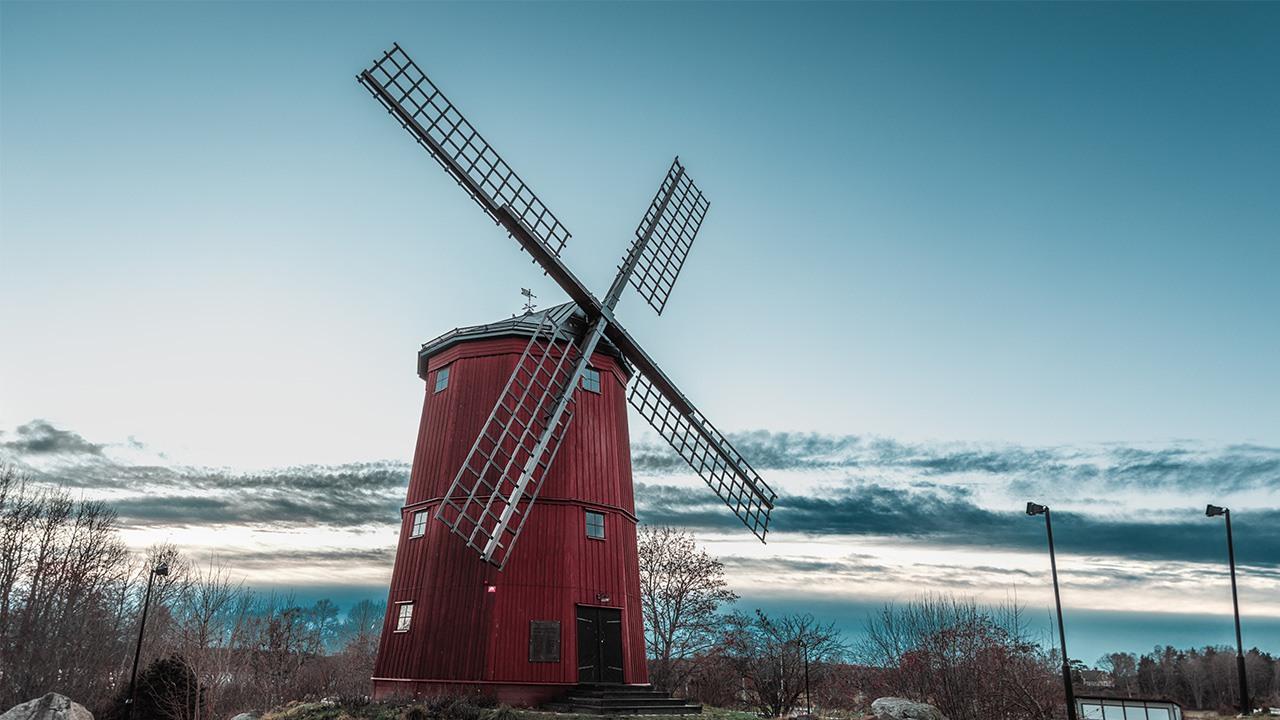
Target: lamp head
1214, 511
162, 569
1036, 509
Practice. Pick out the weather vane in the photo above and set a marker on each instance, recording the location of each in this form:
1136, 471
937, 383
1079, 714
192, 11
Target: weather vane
528, 300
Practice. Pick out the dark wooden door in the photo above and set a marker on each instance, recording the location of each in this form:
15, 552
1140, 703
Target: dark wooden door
599, 644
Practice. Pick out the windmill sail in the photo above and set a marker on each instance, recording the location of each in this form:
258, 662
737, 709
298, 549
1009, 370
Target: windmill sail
436, 124
665, 235
489, 499
696, 440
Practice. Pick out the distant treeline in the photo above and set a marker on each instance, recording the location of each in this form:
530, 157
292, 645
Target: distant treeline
1199, 679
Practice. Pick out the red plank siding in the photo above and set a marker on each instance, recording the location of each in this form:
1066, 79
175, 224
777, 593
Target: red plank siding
464, 637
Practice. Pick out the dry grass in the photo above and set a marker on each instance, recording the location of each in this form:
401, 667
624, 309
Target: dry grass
441, 709
429, 709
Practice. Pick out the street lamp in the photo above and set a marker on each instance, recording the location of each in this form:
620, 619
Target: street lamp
162, 570
1034, 509
808, 701
1214, 511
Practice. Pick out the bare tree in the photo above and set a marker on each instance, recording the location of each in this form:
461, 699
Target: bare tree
770, 655
208, 626
1123, 669
971, 662
323, 619
61, 563
681, 591
19, 510
71, 599
362, 626
284, 642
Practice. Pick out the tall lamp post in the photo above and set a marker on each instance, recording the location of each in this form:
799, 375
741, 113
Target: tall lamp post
1034, 509
162, 570
1214, 511
808, 702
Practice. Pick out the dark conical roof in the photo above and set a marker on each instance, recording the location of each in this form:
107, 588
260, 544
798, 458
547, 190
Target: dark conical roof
567, 315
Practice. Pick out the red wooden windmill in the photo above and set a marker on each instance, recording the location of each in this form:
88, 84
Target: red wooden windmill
506, 400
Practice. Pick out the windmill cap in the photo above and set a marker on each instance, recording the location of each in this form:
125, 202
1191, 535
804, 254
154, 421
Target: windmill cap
567, 315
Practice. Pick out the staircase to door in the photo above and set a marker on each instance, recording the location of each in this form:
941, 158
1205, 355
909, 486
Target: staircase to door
591, 699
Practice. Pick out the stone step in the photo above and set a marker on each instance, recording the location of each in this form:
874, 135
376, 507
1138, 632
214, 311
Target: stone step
593, 689
659, 700
681, 709
607, 699
627, 694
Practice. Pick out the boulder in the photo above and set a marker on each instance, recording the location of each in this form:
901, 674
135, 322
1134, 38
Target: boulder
49, 707
895, 708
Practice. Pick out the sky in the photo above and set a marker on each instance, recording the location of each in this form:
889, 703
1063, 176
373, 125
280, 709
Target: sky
958, 257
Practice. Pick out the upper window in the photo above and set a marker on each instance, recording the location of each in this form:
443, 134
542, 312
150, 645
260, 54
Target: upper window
442, 379
419, 524
591, 380
404, 616
595, 525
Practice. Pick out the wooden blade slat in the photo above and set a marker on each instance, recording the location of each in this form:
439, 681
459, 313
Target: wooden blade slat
665, 235
409, 95
487, 504
707, 451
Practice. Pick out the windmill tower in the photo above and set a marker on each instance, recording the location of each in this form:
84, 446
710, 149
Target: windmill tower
524, 434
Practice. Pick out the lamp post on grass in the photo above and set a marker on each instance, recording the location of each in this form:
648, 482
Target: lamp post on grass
1034, 509
162, 570
808, 702
1214, 511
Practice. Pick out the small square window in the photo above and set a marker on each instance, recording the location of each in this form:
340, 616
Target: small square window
442, 379
595, 525
591, 380
419, 523
404, 615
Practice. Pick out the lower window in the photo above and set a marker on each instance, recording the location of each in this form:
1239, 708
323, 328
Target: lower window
595, 525
404, 616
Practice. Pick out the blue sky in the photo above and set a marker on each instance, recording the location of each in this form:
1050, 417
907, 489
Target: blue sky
1010, 230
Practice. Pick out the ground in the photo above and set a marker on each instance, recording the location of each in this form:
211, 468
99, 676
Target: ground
442, 709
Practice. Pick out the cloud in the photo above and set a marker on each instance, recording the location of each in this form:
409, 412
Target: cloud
1183, 466
334, 505
949, 516
347, 495
338, 496
921, 493
246, 560
40, 437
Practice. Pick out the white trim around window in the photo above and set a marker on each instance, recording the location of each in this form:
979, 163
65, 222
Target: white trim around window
419, 527
404, 615
591, 380
595, 524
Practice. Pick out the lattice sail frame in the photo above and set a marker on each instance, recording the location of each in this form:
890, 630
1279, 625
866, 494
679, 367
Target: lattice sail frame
477, 505
480, 493
709, 454
671, 229
429, 116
